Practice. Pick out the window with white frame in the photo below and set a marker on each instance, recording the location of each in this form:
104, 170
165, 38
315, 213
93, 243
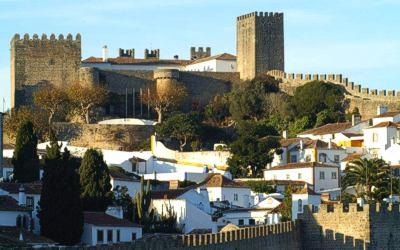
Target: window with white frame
322, 175
322, 157
299, 176
235, 197
100, 236
287, 176
293, 158
334, 175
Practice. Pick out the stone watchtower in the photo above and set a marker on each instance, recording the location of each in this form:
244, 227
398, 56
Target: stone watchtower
40, 61
259, 43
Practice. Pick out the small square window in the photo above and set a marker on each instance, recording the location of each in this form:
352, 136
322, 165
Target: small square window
252, 222
288, 177
334, 175
241, 222
322, 175
299, 176
293, 158
336, 158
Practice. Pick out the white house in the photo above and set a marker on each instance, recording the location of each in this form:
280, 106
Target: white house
296, 150
100, 228
14, 213
118, 179
303, 197
249, 216
219, 63
191, 206
220, 188
379, 137
319, 176
27, 194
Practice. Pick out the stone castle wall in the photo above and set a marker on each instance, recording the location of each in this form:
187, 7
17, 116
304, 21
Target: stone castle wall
259, 43
105, 136
201, 87
367, 100
39, 61
337, 227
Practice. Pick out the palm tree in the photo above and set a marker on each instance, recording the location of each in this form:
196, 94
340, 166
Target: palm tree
370, 177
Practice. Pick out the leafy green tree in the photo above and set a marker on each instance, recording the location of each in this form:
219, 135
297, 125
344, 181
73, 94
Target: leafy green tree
247, 99
182, 127
142, 214
60, 214
253, 149
25, 158
286, 211
316, 96
261, 187
217, 110
370, 177
299, 125
95, 181
123, 199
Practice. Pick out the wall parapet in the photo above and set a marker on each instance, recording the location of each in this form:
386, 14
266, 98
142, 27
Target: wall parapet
239, 234
44, 39
354, 89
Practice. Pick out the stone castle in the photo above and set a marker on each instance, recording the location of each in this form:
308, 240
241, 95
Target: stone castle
36, 62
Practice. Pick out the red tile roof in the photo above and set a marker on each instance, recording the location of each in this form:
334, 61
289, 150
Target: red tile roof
384, 125
351, 157
134, 61
224, 56
302, 165
30, 188
122, 177
218, 180
7, 203
308, 143
11, 235
387, 114
330, 128
103, 219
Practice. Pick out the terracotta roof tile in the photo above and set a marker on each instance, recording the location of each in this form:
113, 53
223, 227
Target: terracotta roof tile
218, 180
103, 219
301, 165
387, 114
384, 125
224, 56
351, 157
7, 203
122, 177
308, 143
30, 188
330, 128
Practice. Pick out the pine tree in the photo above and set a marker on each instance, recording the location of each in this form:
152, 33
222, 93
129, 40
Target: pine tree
61, 214
25, 158
95, 182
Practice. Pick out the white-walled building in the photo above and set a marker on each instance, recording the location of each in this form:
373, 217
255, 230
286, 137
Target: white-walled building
299, 150
380, 137
14, 213
219, 63
100, 228
303, 197
118, 179
220, 188
249, 216
191, 205
27, 194
319, 176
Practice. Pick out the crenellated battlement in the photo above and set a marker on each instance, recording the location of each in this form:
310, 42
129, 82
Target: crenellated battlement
354, 89
261, 14
374, 209
26, 39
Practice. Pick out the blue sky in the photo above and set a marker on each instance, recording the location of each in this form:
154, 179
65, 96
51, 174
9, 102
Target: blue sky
358, 38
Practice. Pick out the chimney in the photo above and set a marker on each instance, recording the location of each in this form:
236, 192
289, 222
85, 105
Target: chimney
382, 109
330, 144
173, 184
21, 196
301, 145
392, 141
176, 57
1, 144
204, 193
355, 119
284, 134
105, 53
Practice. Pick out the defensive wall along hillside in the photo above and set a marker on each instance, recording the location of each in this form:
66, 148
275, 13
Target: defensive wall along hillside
365, 99
372, 226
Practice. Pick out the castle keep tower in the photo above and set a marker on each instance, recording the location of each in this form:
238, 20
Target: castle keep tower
39, 61
259, 43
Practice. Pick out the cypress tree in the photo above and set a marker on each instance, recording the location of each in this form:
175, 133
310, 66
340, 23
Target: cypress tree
61, 214
95, 182
25, 159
